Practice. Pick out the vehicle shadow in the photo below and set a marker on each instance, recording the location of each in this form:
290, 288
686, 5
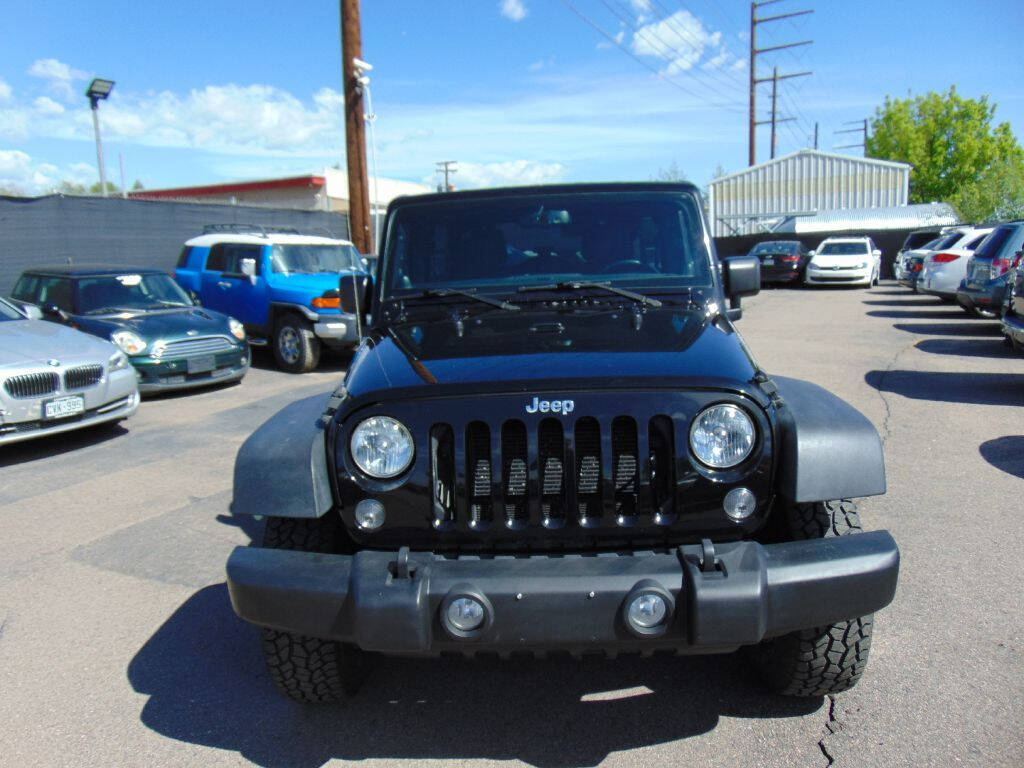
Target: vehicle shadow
47, 446
916, 301
993, 347
951, 386
932, 313
207, 685
330, 360
1005, 453
961, 328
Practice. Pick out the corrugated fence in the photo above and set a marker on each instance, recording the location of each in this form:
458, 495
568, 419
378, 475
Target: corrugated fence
59, 229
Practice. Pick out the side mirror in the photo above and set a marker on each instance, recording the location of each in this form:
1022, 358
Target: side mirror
351, 287
812, 253
742, 277
31, 311
248, 267
52, 311
195, 298
876, 253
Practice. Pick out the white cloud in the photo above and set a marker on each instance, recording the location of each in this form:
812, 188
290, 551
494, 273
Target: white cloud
58, 75
503, 174
19, 173
5, 91
48, 106
679, 40
513, 9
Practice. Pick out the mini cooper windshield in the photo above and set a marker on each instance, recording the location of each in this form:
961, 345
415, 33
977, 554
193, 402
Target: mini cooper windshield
649, 240
131, 292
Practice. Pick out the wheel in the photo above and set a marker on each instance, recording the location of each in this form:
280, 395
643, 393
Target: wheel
309, 669
823, 660
296, 348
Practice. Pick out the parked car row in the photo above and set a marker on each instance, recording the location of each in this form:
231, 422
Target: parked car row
78, 345
836, 261
978, 267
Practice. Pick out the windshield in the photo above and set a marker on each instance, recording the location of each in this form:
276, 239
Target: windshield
309, 259
7, 313
97, 295
843, 249
640, 238
775, 246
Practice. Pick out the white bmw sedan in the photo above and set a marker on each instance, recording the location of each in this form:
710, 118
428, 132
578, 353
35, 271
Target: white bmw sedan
55, 379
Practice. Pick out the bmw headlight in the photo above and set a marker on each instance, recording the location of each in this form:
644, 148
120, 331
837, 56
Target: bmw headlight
382, 447
117, 362
236, 328
722, 436
130, 343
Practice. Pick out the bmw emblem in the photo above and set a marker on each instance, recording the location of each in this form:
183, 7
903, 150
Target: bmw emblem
53, 363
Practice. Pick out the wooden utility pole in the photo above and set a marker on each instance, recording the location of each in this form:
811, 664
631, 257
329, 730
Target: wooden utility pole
355, 129
752, 127
446, 167
775, 105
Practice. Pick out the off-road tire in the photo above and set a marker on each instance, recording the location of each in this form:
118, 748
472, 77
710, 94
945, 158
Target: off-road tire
823, 660
296, 347
309, 669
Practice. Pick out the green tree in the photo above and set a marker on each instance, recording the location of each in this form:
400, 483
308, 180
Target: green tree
672, 173
958, 155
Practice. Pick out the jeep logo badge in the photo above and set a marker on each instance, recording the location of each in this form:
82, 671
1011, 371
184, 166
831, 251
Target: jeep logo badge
551, 406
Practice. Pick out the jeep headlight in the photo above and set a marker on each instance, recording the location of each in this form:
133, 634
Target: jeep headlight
236, 328
117, 362
722, 436
381, 447
130, 343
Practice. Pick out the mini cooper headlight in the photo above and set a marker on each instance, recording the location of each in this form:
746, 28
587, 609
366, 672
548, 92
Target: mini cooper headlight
722, 436
382, 447
236, 328
117, 362
130, 343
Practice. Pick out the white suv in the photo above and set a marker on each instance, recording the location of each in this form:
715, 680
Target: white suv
844, 261
945, 266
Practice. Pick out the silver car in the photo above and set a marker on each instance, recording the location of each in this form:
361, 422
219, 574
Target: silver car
54, 379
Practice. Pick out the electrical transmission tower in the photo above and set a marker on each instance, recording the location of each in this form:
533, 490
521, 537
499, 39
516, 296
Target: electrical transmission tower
774, 79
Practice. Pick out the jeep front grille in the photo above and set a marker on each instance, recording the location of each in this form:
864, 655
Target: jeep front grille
33, 384
603, 472
83, 376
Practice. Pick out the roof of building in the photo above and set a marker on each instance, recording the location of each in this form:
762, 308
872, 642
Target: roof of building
815, 152
890, 217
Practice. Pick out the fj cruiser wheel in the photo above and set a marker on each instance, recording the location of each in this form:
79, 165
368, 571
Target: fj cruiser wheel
823, 660
296, 349
309, 669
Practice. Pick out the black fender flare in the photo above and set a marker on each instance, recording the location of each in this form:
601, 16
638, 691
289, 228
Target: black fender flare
828, 449
281, 469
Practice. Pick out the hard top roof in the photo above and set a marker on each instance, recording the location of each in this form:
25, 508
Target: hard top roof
270, 238
548, 189
92, 270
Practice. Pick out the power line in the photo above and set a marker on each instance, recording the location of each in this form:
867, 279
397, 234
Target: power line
862, 129
725, 76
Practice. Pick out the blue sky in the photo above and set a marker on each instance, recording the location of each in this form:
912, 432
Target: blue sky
515, 90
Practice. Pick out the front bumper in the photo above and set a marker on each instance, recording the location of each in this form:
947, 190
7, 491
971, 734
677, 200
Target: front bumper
1013, 327
166, 375
817, 276
123, 404
393, 602
336, 329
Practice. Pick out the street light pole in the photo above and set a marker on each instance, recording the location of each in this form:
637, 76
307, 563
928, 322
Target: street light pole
99, 89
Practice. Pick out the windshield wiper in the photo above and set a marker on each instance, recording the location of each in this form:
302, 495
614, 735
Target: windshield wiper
441, 293
111, 310
576, 285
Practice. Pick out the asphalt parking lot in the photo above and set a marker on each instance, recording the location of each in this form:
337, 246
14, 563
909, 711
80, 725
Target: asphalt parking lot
118, 645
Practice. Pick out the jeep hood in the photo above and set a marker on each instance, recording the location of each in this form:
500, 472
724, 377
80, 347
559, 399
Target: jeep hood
536, 351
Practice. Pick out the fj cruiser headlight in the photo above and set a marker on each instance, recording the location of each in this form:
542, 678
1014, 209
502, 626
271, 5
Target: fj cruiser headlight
236, 328
117, 362
722, 436
130, 343
382, 447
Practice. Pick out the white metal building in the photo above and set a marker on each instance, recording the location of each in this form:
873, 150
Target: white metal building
804, 183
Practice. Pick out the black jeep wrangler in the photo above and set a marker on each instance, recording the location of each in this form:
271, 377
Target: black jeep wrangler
552, 438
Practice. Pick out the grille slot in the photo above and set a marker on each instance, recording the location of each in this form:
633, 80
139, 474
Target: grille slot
442, 464
204, 345
32, 384
83, 376
624, 456
551, 450
588, 469
513, 476
478, 468
662, 469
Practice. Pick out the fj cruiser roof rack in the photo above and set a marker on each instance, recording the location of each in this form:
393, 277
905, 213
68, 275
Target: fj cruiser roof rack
250, 229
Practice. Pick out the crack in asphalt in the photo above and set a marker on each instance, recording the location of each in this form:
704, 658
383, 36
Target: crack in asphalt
833, 725
886, 422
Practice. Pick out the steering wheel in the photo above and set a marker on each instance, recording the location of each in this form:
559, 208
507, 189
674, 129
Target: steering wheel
630, 265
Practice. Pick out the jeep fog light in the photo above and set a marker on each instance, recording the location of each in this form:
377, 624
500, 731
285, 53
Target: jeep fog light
739, 504
381, 447
369, 514
465, 614
722, 436
647, 611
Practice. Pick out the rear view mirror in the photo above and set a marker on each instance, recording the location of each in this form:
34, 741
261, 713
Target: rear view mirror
354, 292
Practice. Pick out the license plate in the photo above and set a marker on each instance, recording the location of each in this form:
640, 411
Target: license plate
768, 262
63, 407
201, 364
